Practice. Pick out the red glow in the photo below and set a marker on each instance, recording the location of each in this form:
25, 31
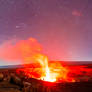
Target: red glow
57, 73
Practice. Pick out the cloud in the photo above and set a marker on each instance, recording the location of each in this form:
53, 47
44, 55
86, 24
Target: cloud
77, 13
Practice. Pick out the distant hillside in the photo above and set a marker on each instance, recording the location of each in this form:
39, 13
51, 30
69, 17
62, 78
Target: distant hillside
37, 65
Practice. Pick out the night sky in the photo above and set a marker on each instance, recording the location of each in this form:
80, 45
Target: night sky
63, 27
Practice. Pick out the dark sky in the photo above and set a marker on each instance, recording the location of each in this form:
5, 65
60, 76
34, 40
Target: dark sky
63, 27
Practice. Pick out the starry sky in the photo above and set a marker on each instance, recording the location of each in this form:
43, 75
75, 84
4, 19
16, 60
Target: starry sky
62, 27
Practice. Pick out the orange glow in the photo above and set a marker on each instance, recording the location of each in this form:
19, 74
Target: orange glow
47, 74
50, 72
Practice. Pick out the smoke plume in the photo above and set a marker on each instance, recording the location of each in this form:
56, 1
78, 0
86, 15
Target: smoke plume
22, 50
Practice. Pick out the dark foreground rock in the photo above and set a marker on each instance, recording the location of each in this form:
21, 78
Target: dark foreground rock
40, 86
7, 87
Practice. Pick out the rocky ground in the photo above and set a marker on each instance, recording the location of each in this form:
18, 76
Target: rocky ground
8, 87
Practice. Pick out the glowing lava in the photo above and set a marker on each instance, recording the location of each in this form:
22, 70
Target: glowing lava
47, 74
51, 72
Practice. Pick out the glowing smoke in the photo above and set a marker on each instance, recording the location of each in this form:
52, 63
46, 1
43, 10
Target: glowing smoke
22, 50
